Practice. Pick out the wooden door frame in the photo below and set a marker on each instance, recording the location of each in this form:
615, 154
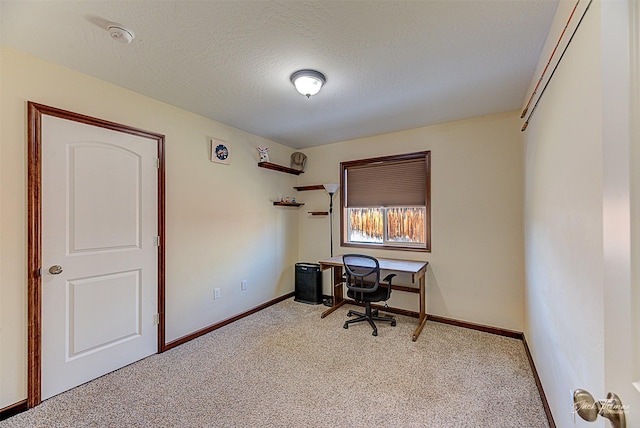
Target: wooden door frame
34, 225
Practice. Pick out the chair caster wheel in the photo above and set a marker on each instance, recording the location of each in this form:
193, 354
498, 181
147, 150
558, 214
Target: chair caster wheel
393, 323
349, 314
345, 326
375, 333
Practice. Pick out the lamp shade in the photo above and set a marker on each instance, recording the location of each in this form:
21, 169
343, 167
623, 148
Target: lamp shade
308, 82
331, 188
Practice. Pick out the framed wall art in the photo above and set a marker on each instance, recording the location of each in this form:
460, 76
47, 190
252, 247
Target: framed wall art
220, 152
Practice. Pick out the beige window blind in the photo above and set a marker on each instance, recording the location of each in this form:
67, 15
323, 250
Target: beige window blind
387, 183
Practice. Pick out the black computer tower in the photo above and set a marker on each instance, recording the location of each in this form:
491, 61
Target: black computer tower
308, 283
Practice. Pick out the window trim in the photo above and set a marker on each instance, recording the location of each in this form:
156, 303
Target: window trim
393, 158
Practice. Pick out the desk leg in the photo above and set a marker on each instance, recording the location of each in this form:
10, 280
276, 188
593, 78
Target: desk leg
338, 298
423, 311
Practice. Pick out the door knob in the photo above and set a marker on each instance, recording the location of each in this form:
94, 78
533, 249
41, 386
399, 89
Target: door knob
589, 409
55, 270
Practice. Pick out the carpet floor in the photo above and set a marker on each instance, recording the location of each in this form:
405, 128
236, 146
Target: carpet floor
286, 367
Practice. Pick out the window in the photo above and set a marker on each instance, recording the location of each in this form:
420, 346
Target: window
386, 202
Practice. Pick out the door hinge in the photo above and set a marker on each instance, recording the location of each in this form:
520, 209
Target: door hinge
156, 241
157, 163
156, 319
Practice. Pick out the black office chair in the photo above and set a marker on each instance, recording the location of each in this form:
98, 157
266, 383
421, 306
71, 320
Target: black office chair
362, 278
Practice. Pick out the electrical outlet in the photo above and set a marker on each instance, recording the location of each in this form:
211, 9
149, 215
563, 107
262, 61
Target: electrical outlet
243, 285
216, 293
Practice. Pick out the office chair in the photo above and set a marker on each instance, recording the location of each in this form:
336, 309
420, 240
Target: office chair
362, 278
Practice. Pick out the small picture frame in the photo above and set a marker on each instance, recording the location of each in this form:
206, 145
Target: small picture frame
220, 152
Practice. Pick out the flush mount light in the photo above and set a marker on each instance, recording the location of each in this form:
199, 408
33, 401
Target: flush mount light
120, 33
308, 82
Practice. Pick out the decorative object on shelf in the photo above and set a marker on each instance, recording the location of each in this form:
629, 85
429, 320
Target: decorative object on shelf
298, 160
264, 156
308, 82
276, 167
287, 201
220, 152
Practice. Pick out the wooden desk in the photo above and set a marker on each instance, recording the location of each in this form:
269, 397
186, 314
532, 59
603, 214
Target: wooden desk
415, 268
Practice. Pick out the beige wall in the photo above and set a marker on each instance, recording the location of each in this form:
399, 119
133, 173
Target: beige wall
476, 262
564, 222
221, 225
582, 166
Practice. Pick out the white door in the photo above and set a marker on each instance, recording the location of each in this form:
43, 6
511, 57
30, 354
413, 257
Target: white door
620, 22
99, 225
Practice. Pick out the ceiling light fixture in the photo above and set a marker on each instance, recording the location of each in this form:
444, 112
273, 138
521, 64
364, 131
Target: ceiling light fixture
308, 82
120, 33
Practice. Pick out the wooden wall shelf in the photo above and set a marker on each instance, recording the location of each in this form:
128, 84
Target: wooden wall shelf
318, 212
288, 204
312, 187
280, 168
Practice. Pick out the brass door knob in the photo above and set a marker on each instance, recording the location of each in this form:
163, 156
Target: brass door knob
55, 270
589, 409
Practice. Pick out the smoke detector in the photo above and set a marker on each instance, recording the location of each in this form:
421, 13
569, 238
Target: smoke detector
120, 33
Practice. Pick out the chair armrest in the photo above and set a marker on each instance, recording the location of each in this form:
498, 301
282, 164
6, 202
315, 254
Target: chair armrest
388, 279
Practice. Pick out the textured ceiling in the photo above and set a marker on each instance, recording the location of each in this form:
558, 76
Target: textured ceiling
390, 65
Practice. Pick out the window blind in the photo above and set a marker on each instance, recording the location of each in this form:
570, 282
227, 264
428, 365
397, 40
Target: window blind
387, 183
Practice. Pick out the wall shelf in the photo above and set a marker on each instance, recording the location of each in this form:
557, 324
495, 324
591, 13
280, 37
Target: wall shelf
318, 212
280, 168
312, 187
288, 204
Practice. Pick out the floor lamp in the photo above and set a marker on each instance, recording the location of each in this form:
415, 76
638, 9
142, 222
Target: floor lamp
331, 189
